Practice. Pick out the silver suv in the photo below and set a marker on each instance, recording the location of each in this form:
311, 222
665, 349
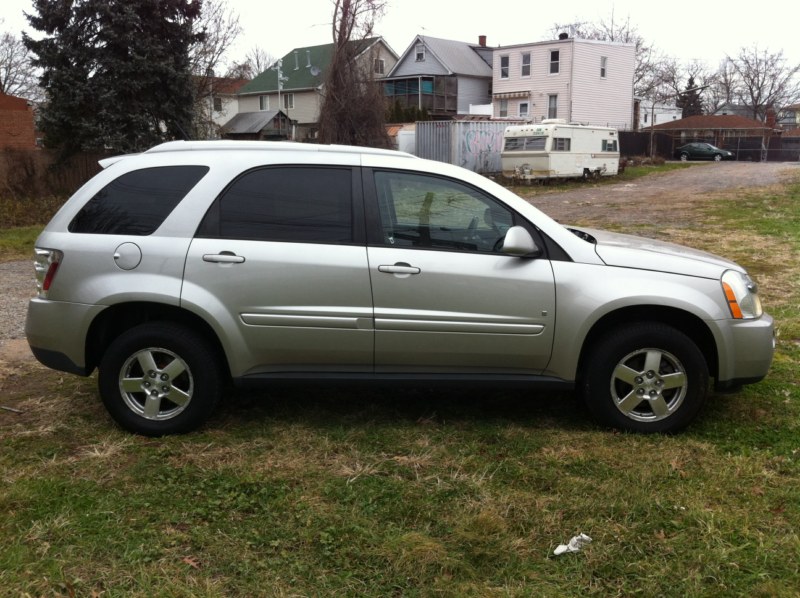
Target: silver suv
197, 263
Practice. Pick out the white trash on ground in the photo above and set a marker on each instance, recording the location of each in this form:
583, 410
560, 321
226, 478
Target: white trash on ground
575, 544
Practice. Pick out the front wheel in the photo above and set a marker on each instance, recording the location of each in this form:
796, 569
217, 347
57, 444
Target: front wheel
717, 157
160, 378
647, 377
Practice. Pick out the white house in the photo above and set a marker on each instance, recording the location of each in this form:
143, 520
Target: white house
579, 80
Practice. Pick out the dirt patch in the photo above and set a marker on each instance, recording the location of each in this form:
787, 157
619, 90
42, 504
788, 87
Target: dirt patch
666, 199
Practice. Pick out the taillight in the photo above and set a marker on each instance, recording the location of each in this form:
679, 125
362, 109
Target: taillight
46, 265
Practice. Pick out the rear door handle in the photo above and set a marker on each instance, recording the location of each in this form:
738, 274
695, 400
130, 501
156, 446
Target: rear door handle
399, 268
224, 257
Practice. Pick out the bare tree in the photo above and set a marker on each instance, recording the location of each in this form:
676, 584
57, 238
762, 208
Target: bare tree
353, 108
17, 75
764, 80
218, 27
649, 61
723, 87
255, 62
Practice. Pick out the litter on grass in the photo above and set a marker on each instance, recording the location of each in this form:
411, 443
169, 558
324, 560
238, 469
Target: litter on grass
575, 544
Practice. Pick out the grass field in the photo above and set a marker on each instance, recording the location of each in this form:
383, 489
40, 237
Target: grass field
319, 491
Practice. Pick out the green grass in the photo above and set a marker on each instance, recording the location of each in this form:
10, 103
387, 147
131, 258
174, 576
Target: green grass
318, 491
17, 243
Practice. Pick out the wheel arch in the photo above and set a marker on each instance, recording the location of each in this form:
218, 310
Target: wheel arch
685, 322
115, 320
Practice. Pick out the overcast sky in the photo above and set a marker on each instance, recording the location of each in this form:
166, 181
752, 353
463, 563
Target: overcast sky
685, 29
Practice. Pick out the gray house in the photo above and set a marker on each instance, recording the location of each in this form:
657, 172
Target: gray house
441, 77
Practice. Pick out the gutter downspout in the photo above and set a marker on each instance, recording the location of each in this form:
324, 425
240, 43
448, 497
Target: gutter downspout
571, 78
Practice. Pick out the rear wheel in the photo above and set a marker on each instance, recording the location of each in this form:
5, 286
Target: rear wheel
648, 377
684, 157
160, 378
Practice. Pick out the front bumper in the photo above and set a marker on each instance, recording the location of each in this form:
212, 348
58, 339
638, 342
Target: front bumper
746, 348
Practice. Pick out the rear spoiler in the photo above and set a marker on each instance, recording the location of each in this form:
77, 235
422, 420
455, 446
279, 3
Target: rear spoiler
106, 162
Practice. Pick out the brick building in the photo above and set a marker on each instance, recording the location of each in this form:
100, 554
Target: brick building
16, 123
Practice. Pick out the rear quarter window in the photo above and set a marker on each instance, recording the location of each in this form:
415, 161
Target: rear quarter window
137, 202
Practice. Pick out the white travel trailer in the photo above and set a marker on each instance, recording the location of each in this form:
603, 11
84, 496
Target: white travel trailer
557, 149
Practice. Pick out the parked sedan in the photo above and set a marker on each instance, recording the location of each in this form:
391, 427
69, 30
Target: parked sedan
702, 151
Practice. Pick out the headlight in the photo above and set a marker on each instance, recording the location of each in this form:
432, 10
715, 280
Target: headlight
741, 294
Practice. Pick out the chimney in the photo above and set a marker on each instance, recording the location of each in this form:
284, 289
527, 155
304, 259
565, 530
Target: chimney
482, 41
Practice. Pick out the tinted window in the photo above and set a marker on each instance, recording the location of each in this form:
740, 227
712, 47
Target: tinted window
430, 212
301, 204
137, 202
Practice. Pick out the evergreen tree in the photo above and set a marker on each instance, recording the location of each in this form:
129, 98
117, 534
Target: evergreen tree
689, 101
115, 72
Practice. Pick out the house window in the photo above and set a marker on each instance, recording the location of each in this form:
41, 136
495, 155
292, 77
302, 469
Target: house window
217, 104
525, 69
504, 67
554, 62
503, 107
263, 102
645, 117
561, 144
603, 65
552, 106
379, 66
420, 53
523, 109
288, 101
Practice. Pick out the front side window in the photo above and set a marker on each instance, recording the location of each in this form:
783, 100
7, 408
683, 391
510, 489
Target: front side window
554, 59
263, 102
525, 69
504, 67
532, 144
426, 212
552, 106
302, 204
503, 107
137, 202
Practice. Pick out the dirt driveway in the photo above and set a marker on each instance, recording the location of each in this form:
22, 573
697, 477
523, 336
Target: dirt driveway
663, 199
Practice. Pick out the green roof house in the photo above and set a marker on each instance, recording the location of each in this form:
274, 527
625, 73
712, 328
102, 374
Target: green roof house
302, 72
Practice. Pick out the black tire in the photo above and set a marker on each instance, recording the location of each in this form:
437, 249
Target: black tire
169, 362
647, 377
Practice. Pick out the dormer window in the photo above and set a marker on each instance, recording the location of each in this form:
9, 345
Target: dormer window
420, 53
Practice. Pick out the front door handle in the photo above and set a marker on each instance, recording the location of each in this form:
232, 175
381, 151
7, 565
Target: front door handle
399, 268
224, 257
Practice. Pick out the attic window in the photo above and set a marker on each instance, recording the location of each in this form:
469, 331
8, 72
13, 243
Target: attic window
379, 66
420, 53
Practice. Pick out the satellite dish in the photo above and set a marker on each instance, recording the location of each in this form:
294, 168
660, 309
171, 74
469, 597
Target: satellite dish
315, 70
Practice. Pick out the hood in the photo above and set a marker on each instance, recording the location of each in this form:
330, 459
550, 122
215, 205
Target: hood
629, 251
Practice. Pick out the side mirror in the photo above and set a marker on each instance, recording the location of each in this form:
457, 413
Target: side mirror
518, 242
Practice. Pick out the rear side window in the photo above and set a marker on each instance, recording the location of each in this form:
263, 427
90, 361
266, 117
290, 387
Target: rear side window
302, 204
137, 202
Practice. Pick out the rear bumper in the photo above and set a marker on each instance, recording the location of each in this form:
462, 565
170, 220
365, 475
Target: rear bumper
57, 332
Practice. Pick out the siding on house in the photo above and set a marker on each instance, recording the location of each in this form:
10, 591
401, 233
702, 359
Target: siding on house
583, 95
472, 90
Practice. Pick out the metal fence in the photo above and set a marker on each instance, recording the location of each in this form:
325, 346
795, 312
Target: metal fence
475, 145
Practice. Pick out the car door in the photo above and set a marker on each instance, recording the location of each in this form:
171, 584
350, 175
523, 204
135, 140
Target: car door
279, 266
447, 300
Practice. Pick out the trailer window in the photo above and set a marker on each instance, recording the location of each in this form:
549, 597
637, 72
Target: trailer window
610, 145
561, 144
530, 144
